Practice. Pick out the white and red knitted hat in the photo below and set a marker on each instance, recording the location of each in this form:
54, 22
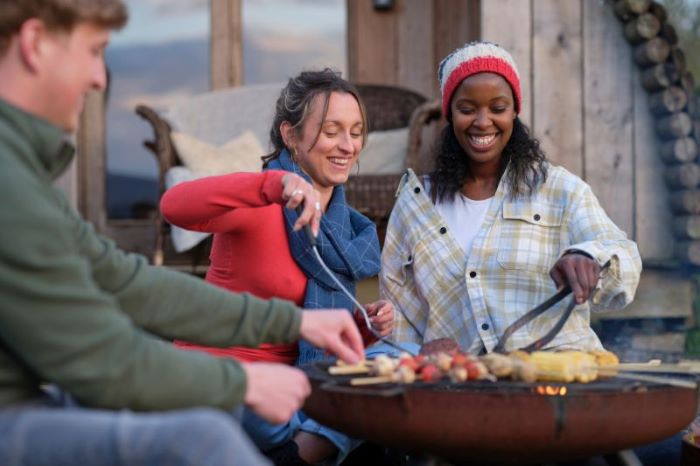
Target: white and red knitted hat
472, 58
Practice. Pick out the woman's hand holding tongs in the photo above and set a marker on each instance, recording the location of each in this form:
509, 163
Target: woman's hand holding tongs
580, 271
381, 315
298, 193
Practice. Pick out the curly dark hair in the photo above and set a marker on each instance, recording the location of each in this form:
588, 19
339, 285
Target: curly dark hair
528, 164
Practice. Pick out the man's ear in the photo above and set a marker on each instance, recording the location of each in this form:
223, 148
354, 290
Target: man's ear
33, 39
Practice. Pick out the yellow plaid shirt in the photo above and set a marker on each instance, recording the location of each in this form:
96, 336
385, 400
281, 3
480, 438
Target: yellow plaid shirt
439, 291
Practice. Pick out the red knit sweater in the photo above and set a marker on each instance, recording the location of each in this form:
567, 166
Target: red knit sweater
250, 251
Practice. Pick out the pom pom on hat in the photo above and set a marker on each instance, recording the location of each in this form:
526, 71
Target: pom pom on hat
473, 58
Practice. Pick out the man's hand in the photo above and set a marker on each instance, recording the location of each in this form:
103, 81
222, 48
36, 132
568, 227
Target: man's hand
381, 315
297, 191
335, 331
579, 271
275, 391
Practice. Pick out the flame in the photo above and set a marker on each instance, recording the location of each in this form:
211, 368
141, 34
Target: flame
551, 390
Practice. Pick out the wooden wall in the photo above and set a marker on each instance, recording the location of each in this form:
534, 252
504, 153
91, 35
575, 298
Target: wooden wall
582, 98
404, 45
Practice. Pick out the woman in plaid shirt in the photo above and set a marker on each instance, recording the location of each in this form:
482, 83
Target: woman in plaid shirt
496, 229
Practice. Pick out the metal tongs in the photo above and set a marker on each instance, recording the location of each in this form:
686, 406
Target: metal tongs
312, 241
536, 311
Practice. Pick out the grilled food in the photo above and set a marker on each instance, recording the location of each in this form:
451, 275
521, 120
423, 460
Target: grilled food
544, 366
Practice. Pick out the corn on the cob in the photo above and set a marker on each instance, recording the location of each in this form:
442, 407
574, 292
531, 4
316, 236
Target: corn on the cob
523, 368
584, 364
607, 361
553, 367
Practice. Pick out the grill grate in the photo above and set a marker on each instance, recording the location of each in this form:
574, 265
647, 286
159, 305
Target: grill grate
319, 372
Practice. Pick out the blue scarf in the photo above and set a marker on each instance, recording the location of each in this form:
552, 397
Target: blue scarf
348, 244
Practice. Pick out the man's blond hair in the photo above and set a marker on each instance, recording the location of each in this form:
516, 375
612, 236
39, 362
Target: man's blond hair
59, 15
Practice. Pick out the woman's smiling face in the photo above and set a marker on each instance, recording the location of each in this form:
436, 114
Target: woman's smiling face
328, 147
483, 112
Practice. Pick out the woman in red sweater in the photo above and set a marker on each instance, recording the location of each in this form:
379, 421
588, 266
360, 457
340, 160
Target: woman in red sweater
317, 133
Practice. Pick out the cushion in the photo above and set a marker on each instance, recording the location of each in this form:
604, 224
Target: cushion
216, 117
385, 152
203, 159
182, 239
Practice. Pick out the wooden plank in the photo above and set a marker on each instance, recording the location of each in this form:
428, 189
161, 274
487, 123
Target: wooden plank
415, 49
226, 45
608, 157
372, 44
662, 293
653, 217
667, 342
557, 86
92, 170
516, 38
455, 24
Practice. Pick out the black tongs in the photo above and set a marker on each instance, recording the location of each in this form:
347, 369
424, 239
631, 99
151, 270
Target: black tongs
536, 311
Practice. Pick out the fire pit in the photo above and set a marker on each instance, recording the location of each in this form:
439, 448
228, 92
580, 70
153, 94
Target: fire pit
504, 421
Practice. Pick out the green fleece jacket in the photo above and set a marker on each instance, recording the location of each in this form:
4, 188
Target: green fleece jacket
77, 311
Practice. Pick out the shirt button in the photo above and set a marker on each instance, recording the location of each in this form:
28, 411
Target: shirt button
443, 230
537, 217
416, 190
484, 326
472, 274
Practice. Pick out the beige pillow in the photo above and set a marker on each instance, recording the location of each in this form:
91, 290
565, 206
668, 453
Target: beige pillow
241, 154
385, 152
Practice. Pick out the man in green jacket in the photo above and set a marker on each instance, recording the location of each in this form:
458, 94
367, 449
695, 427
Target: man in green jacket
77, 312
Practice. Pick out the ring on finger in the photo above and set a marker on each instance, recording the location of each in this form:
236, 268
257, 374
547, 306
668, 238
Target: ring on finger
317, 205
296, 191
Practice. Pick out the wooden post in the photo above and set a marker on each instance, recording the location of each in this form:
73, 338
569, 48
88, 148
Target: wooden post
92, 167
557, 52
608, 130
226, 44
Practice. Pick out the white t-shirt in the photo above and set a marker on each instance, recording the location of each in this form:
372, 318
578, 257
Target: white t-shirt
464, 217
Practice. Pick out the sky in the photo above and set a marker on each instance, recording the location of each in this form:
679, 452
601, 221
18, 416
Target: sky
163, 55
157, 21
